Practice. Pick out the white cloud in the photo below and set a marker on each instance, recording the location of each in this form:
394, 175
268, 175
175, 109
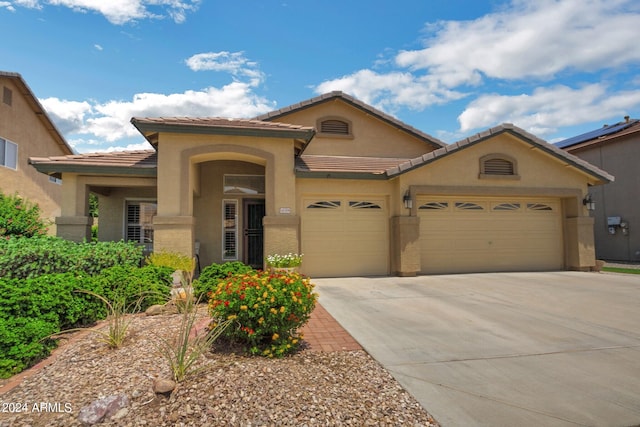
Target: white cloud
524, 44
7, 5
87, 121
98, 47
234, 63
549, 108
123, 11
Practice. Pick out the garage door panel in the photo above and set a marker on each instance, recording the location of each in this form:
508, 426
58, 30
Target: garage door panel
505, 235
349, 238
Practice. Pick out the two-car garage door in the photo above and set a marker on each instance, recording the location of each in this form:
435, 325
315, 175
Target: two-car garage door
476, 234
345, 236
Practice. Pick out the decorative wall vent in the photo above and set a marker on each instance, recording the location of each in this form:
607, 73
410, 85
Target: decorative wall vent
498, 166
7, 96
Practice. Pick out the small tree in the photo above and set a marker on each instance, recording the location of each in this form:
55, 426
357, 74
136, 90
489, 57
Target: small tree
19, 217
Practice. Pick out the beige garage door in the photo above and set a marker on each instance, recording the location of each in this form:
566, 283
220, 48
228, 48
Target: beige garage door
345, 236
474, 234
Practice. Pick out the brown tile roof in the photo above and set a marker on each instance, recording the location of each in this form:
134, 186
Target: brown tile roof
551, 149
38, 109
129, 162
358, 104
308, 163
221, 126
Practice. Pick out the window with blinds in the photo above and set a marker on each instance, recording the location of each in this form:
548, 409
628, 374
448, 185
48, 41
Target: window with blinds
139, 222
230, 230
8, 154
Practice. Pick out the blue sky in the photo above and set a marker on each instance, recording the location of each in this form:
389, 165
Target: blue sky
451, 68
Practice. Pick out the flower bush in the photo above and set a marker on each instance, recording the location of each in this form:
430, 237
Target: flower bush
267, 309
284, 261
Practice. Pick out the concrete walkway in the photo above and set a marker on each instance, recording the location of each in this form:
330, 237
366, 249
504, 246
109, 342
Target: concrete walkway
503, 349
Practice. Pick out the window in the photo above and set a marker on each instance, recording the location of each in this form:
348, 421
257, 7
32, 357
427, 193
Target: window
139, 222
230, 230
334, 126
468, 206
436, 206
498, 166
364, 205
8, 154
55, 180
324, 204
244, 184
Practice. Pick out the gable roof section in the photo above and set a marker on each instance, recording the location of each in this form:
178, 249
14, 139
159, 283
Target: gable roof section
345, 167
602, 135
331, 96
141, 163
150, 127
582, 165
37, 108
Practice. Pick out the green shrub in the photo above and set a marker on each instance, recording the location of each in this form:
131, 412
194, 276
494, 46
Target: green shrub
23, 258
175, 260
19, 217
267, 310
212, 274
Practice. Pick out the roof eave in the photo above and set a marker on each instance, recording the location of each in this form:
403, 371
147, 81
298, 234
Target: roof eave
341, 175
54, 169
150, 131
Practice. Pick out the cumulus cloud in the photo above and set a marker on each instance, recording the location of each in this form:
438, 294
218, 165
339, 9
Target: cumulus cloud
234, 63
7, 5
524, 44
91, 123
123, 11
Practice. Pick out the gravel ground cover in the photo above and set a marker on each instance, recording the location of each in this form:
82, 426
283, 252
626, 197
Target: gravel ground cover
309, 388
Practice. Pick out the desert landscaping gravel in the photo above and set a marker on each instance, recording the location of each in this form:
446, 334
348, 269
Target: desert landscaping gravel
309, 388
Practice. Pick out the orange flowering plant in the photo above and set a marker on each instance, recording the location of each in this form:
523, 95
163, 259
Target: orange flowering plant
267, 309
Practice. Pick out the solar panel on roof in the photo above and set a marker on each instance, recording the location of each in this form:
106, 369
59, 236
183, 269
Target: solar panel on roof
604, 131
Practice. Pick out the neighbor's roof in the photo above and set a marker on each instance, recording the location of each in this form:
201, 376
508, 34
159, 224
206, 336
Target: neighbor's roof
150, 127
142, 162
601, 135
332, 96
569, 159
37, 108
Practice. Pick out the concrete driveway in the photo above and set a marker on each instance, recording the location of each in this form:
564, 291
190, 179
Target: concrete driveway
503, 349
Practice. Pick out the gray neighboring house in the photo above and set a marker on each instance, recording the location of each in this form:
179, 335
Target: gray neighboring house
616, 149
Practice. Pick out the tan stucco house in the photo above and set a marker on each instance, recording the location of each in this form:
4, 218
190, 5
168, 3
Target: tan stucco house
26, 131
355, 190
615, 148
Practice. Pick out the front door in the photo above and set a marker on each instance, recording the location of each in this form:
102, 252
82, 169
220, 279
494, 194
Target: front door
254, 211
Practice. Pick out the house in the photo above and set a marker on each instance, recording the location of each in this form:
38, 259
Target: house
26, 131
355, 190
615, 148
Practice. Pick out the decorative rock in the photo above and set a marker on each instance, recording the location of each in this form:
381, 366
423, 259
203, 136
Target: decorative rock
154, 310
102, 409
163, 386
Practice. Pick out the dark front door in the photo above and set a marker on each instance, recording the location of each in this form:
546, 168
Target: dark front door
253, 236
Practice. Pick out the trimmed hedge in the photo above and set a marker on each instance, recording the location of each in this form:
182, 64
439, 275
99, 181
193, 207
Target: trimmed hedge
23, 258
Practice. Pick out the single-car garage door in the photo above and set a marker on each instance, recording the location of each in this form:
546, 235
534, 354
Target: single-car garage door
476, 234
345, 236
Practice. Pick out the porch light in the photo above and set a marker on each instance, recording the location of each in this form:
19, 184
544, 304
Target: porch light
406, 199
589, 203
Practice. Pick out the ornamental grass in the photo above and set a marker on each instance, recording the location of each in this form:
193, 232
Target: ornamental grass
266, 309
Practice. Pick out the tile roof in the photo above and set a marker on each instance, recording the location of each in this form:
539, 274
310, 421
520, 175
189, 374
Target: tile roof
220, 126
131, 162
551, 149
38, 109
358, 104
308, 163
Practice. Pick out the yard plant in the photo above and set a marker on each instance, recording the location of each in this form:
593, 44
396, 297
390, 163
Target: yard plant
267, 310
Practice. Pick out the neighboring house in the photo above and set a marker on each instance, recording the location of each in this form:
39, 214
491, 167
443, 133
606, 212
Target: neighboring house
355, 190
25, 131
615, 148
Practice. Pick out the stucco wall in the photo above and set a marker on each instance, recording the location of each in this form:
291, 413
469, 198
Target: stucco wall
19, 124
111, 210
371, 137
617, 199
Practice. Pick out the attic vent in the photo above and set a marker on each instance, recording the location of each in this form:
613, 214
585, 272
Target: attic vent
335, 127
7, 96
498, 166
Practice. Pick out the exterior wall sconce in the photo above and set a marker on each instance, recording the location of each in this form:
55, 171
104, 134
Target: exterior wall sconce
406, 199
589, 203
